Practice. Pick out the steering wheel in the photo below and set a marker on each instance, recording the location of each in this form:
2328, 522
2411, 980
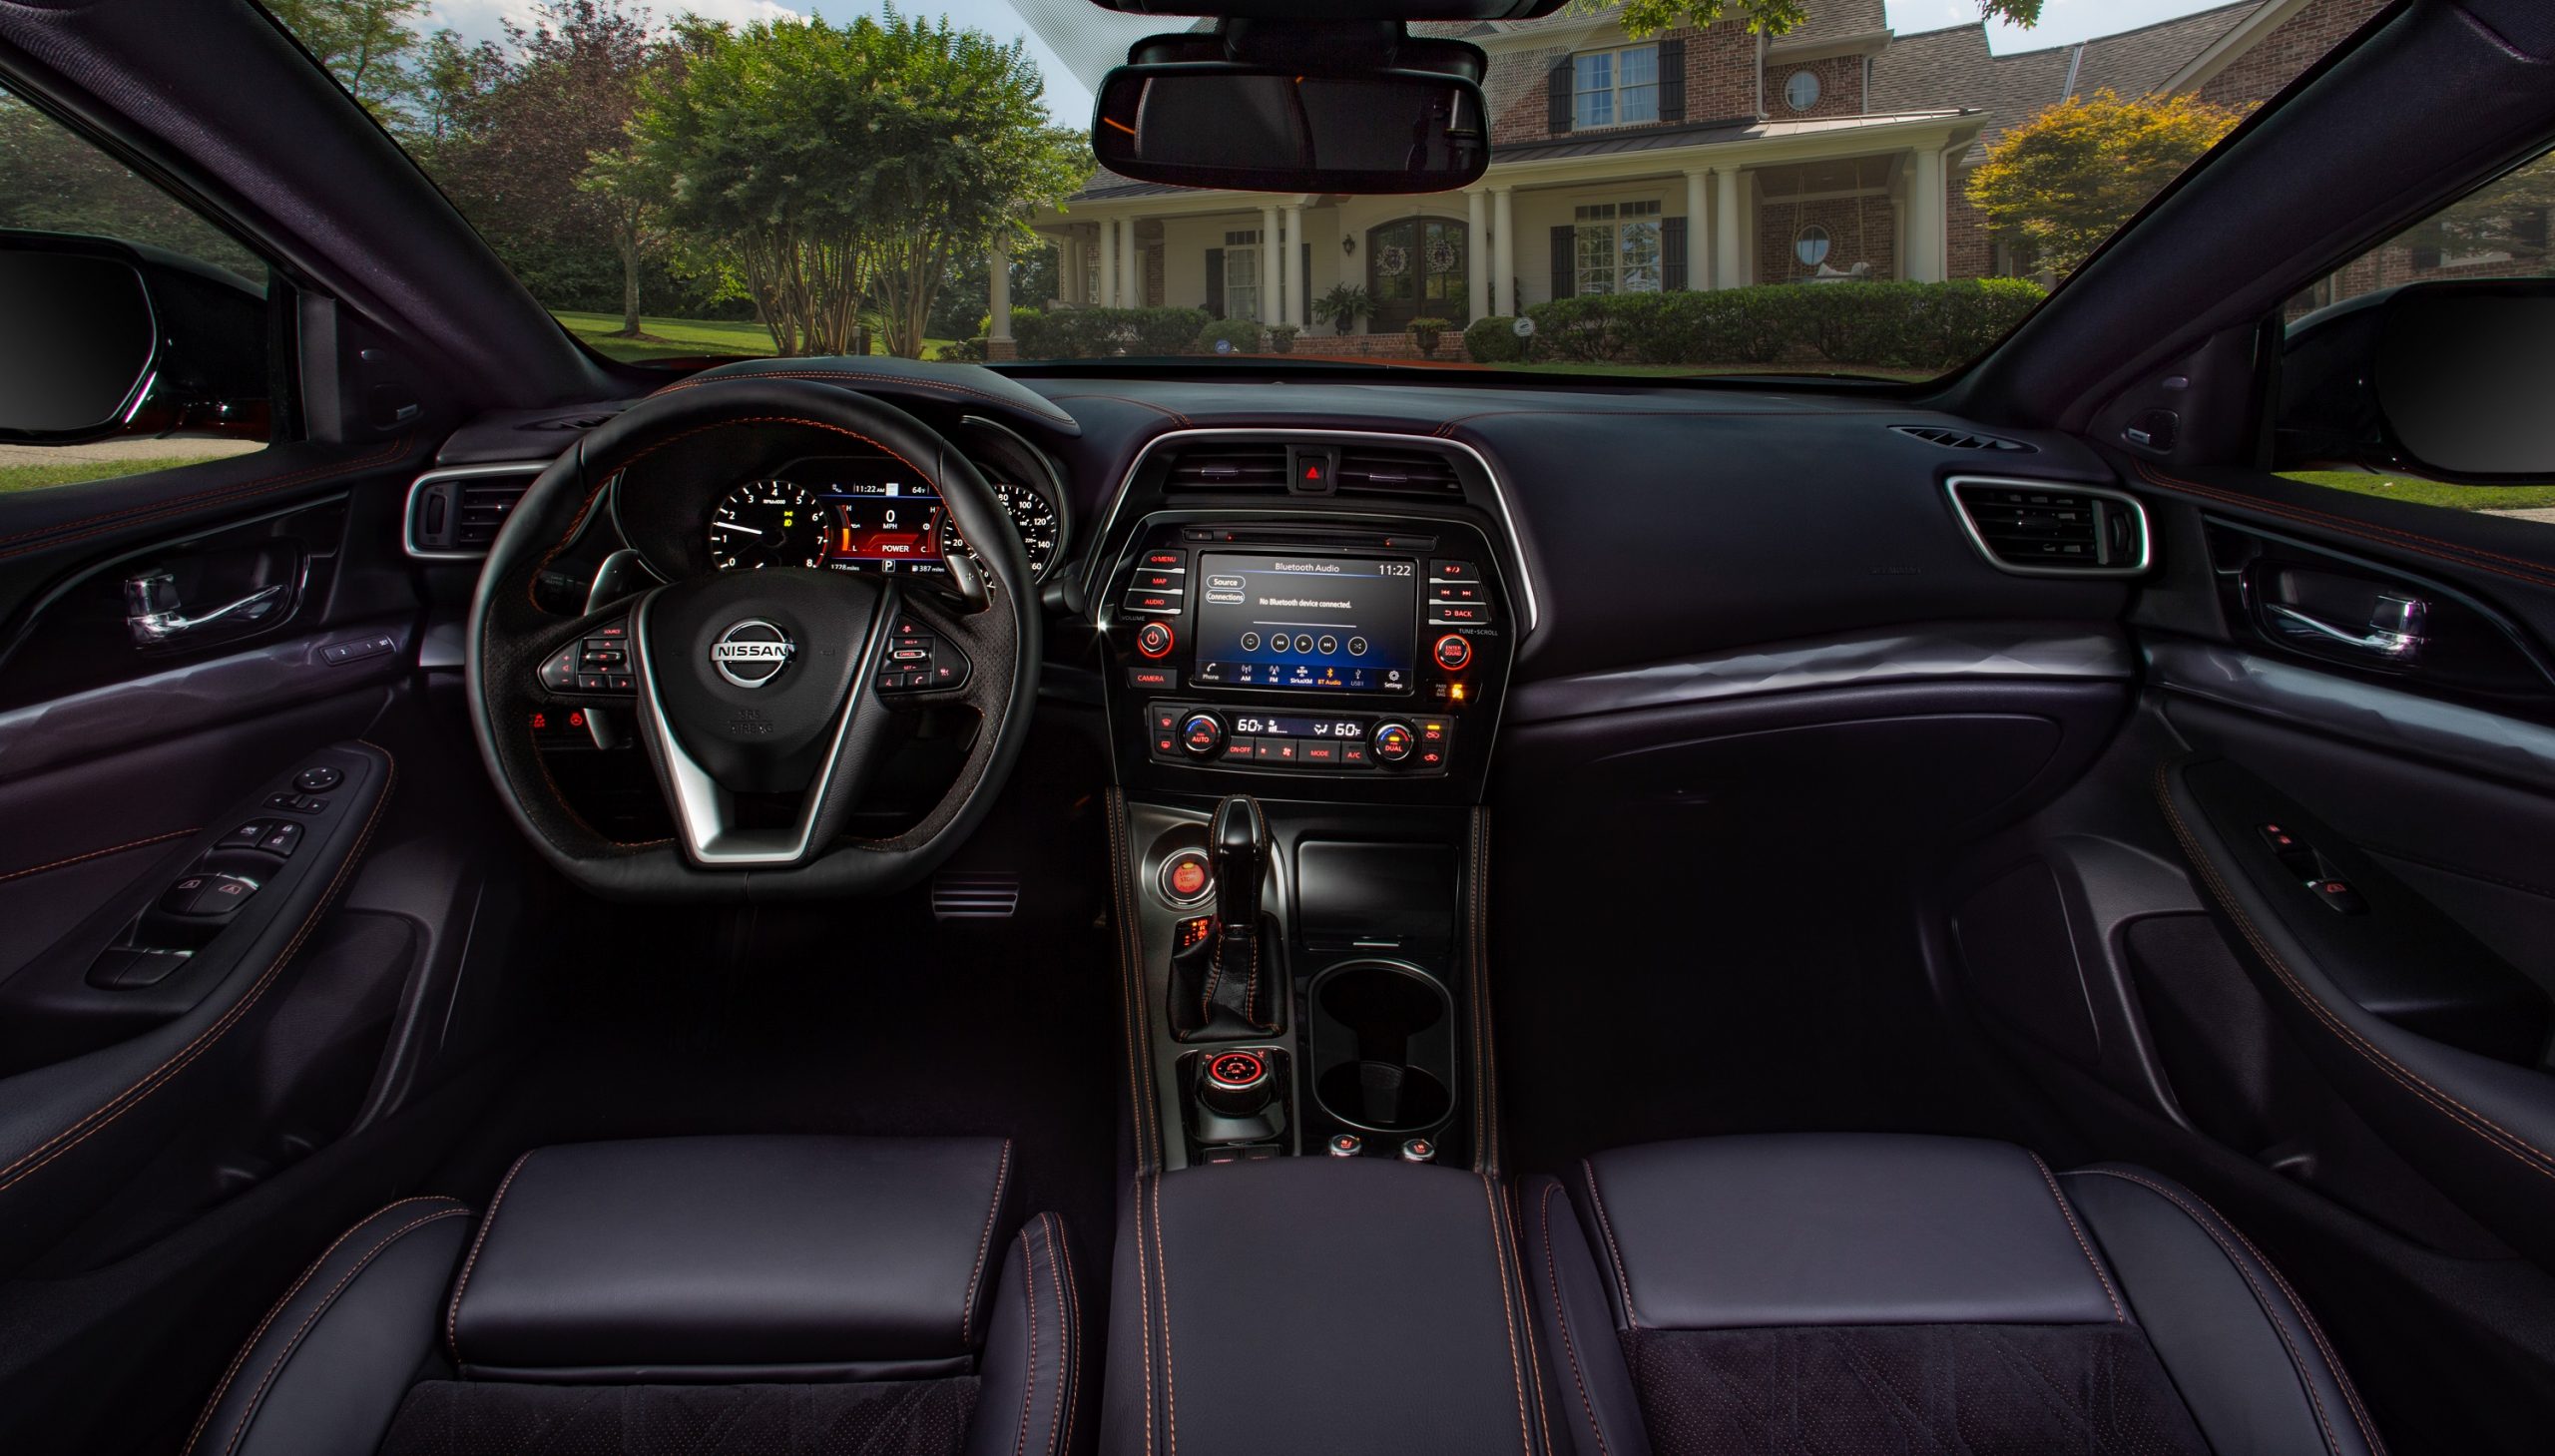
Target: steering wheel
757, 693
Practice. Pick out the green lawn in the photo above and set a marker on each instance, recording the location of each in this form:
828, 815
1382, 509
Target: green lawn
667, 338
2433, 492
29, 477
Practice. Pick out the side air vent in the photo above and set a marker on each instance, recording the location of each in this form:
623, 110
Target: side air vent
456, 513
2031, 528
975, 896
1230, 467
1951, 439
1365, 471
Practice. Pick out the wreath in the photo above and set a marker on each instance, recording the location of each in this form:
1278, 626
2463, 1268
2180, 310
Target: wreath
1442, 255
1393, 260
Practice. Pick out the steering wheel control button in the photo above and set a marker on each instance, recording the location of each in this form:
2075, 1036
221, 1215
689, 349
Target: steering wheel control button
559, 672
1454, 652
1237, 1084
1345, 1145
318, 781
1154, 640
1186, 879
1418, 1149
1394, 742
752, 653
1202, 736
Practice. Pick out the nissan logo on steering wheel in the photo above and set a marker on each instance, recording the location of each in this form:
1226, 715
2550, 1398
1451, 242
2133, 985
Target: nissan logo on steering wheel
752, 653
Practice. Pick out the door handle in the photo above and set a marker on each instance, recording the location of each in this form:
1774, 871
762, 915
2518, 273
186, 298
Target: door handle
153, 614
2395, 629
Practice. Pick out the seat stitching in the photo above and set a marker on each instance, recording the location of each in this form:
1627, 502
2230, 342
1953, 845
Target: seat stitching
313, 1267
984, 1243
1623, 1281
326, 1302
2263, 1300
1561, 1318
178, 1060
1481, 1132
1511, 1217
1135, 1011
1073, 1306
2118, 1316
1145, 1310
1029, 1294
1066, 1354
1508, 1312
479, 1240
1170, 1385
67, 863
2493, 1134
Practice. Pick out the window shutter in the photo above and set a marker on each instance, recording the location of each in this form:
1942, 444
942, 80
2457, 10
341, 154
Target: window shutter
1672, 80
1557, 108
1671, 255
1215, 282
1565, 262
2425, 260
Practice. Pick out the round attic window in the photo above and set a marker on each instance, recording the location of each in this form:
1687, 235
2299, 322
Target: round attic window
1800, 93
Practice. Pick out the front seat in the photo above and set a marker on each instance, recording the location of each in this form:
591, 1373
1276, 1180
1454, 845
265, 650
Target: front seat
776, 1295
1882, 1293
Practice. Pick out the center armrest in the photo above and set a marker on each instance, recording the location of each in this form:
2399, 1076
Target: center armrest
1339, 1305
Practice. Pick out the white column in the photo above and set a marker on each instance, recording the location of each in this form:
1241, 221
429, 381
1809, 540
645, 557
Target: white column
998, 279
1698, 235
1503, 252
1107, 264
1069, 270
1727, 257
1130, 257
1269, 256
1477, 290
1925, 261
1290, 252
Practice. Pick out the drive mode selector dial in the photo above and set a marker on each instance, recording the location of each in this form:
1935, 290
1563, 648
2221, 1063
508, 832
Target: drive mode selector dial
1394, 742
1202, 736
1238, 1084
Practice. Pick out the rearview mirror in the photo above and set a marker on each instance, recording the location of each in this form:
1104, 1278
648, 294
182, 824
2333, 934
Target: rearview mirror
76, 343
2446, 380
1265, 127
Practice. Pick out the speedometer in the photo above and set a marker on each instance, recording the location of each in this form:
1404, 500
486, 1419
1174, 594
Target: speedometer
1031, 514
766, 523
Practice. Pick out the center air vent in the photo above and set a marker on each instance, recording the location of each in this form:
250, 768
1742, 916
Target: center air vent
1233, 467
458, 512
1951, 439
2031, 528
1368, 471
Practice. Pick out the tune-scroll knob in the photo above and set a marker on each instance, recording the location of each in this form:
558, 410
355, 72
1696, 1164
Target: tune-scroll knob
1394, 742
1202, 736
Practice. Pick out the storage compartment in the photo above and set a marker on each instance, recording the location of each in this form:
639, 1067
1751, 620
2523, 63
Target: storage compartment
1382, 1040
1353, 896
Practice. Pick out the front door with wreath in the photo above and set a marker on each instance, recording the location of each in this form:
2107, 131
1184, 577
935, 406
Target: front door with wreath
1416, 270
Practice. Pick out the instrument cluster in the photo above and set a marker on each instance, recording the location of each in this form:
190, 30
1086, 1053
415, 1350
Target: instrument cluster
868, 513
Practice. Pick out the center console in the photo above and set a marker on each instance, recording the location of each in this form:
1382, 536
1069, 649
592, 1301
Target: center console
1309, 636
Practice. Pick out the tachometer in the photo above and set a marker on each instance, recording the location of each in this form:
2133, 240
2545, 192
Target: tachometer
766, 523
1030, 514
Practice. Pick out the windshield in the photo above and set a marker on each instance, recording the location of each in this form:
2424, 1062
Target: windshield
1678, 186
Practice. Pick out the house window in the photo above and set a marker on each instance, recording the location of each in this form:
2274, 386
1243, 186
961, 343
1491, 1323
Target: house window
1615, 88
1617, 248
1810, 246
1800, 93
1242, 275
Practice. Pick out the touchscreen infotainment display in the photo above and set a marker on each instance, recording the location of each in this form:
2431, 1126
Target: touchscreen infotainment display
1308, 623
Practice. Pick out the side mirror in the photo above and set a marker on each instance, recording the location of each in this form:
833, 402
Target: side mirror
2446, 380
76, 343
1296, 118
101, 339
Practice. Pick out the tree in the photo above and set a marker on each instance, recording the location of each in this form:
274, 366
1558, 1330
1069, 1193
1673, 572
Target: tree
834, 166
58, 181
1768, 17
2060, 184
366, 44
540, 129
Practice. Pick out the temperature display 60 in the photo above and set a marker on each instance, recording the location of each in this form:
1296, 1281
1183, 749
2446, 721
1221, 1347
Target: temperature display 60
1290, 725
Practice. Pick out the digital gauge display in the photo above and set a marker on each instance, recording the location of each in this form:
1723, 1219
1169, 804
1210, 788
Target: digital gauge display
864, 514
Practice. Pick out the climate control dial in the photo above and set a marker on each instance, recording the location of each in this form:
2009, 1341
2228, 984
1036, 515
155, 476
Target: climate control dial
1394, 742
1202, 736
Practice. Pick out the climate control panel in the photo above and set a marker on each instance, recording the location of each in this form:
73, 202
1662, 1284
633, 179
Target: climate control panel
1223, 735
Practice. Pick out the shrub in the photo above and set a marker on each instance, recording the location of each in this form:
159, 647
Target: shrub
1242, 333
1901, 326
1493, 340
1096, 333
1281, 338
1342, 306
1425, 332
963, 350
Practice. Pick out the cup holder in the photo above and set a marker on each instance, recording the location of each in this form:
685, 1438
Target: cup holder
1382, 1046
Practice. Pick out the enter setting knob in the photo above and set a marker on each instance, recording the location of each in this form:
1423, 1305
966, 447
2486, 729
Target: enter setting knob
1237, 1084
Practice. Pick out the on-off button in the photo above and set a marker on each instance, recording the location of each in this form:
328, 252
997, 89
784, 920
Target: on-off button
1154, 640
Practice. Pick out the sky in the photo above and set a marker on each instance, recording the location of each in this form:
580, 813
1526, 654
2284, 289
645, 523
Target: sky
1074, 41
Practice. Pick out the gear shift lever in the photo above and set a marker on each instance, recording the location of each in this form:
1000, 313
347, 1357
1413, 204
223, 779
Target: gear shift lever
1217, 985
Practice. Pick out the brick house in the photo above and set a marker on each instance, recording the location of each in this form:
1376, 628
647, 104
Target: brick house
1695, 158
